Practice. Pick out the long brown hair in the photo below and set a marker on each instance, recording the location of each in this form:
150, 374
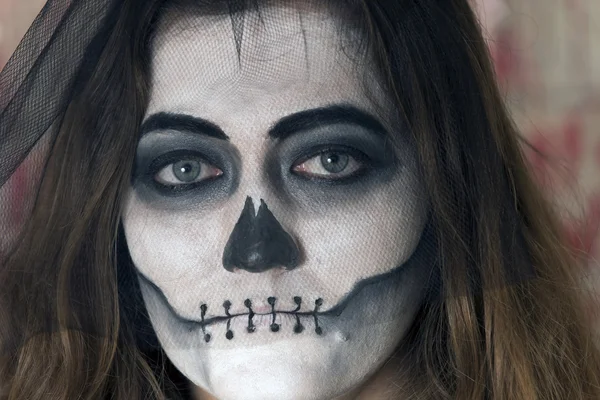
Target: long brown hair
506, 321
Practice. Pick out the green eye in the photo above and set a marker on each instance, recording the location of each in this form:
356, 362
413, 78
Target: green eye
186, 171
330, 164
334, 162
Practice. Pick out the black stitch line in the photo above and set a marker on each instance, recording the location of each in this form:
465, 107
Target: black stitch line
298, 301
251, 327
298, 328
215, 319
318, 303
274, 326
227, 306
203, 309
397, 273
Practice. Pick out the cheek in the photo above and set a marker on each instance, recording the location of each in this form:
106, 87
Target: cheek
371, 235
169, 246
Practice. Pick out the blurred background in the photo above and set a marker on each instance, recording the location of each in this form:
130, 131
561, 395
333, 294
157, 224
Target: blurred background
547, 60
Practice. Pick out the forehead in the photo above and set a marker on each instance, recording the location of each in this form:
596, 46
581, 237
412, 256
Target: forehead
255, 68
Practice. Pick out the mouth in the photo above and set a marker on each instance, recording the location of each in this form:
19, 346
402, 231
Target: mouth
266, 316
253, 313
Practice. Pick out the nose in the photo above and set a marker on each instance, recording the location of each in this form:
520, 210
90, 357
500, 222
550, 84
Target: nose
259, 243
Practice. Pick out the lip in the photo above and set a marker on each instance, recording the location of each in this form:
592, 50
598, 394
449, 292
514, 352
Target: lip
259, 320
263, 324
262, 309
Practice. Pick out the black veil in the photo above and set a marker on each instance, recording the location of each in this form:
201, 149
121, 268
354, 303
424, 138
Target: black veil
36, 82
35, 88
56, 55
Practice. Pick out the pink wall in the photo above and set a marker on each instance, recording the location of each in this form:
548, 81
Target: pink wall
548, 63
15, 18
549, 70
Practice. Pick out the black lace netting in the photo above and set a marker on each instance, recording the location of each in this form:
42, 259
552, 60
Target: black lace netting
35, 87
35, 83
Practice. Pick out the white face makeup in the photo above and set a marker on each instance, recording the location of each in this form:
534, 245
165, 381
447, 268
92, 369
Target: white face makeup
310, 296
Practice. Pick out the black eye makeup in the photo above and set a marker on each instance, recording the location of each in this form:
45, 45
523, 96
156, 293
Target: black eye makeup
182, 170
332, 163
176, 169
336, 152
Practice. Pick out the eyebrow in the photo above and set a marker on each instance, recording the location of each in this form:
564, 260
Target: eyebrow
331, 115
285, 127
183, 123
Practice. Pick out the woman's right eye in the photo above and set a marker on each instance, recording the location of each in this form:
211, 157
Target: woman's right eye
186, 171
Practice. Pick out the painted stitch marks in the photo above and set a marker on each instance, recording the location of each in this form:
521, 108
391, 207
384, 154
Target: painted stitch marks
251, 327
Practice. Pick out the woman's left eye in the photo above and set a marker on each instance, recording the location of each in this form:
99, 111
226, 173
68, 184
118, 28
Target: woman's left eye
186, 171
330, 164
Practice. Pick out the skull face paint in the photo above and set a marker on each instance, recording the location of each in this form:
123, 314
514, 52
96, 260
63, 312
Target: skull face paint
275, 231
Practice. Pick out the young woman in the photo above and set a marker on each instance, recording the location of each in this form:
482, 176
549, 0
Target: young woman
280, 200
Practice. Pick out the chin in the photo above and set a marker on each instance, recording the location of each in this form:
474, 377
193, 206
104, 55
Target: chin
355, 342
298, 368
350, 343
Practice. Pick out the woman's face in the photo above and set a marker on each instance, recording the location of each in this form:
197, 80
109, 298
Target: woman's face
274, 228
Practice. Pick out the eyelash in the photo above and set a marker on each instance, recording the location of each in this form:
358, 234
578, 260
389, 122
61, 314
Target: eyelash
358, 157
166, 162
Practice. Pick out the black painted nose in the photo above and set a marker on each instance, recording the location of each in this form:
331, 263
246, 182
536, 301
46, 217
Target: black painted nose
259, 243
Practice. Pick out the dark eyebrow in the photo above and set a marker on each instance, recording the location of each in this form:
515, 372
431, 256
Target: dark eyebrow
318, 117
183, 123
